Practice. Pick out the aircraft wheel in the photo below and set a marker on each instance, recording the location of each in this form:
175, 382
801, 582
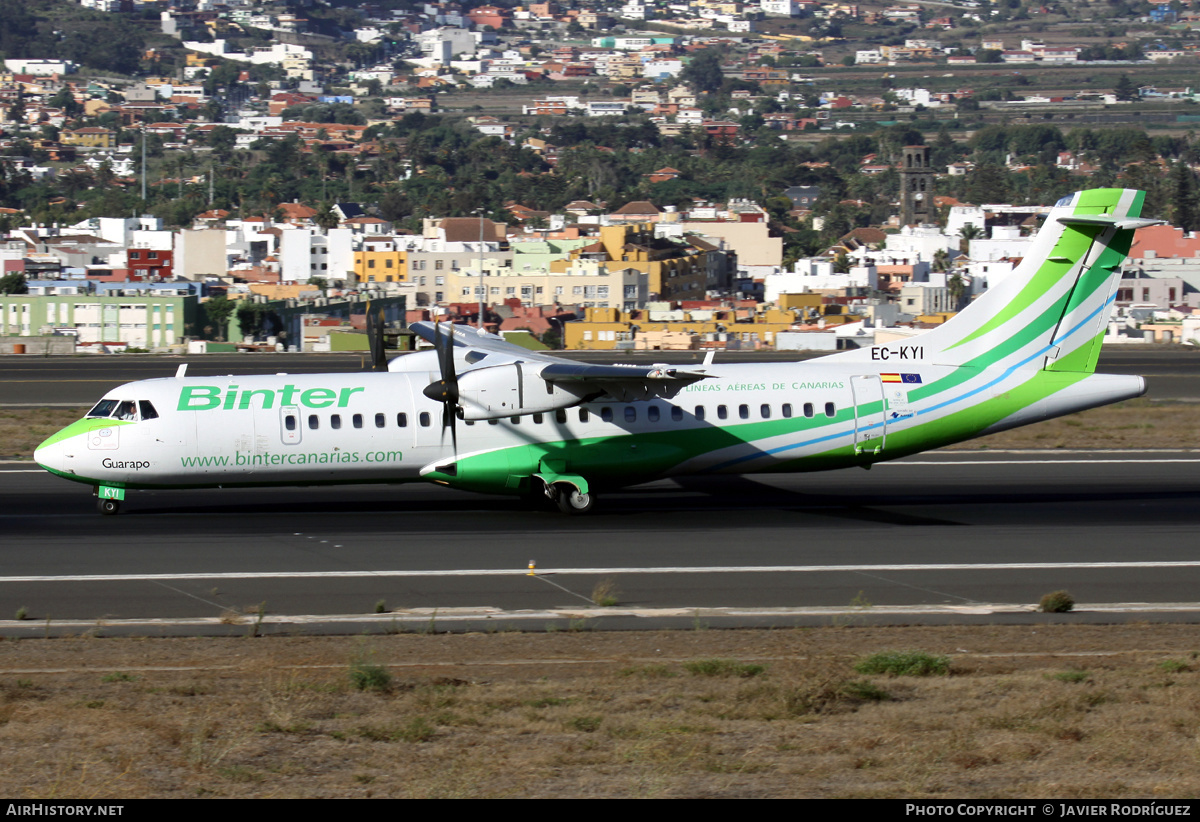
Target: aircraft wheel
570, 501
108, 507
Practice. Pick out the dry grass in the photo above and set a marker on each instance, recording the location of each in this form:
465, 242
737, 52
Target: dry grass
23, 429
1047, 711
1135, 424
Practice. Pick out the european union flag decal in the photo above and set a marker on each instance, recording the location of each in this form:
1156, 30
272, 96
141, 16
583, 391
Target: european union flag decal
910, 378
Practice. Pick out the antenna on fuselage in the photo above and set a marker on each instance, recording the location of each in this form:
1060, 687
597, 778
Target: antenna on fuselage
375, 329
181, 371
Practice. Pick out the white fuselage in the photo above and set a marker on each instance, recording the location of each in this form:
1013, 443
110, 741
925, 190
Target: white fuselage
380, 427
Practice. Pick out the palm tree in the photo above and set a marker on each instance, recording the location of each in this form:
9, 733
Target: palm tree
968, 232
956, 284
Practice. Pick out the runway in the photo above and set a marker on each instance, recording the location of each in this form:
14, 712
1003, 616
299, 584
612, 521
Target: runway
965, 536
29, 380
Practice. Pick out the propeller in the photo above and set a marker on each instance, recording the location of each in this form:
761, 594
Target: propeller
445, 390
375, 328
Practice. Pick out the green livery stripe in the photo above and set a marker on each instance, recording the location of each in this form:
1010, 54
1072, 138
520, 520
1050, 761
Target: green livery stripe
961, 425
1082, 359
634, 458
1038, 328
1072, 245
224, 483
83, 426
627, 457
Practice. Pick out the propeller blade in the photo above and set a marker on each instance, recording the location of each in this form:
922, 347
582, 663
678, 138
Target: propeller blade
445, 390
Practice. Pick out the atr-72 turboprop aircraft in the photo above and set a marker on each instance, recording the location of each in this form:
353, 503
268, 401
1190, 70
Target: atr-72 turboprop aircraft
481, 414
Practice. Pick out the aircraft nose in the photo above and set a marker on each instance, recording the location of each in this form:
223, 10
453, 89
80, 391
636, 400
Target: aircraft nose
48, 455
53, 453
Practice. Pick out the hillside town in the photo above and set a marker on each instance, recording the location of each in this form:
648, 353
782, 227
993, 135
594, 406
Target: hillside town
578, 175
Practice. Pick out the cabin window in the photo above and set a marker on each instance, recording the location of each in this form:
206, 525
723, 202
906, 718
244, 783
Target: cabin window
744, 412
676, 413
630, 414
424, 419
402, 420
335, 421
830, 409
538, 419
147, 409
606, 414
808, 410
652, 413
722, 412
699, 412
515, 420
560, 416
765, 411
380, 420
470, 422
357, 418
493, 422
786, 410
313, 422
104, 408
583, 415
289, 422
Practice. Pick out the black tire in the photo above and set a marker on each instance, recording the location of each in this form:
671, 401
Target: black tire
108, 507
573, 503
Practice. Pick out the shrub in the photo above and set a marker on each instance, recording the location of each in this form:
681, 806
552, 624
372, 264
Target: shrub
367, 677
832, 696
904, 663
605, 594
1056, 602
722, 667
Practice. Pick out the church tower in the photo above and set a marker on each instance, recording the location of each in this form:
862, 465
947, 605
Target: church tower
916, 187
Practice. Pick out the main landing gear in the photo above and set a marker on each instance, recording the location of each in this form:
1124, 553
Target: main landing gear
572, 502
565, 496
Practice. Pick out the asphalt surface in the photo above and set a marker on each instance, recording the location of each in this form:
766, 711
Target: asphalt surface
937, 538
1172, 372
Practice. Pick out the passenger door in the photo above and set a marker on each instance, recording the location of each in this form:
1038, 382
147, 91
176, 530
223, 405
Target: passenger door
870, 414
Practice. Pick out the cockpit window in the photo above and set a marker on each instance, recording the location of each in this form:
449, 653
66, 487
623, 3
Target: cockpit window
126, 410
147, 409
104, 408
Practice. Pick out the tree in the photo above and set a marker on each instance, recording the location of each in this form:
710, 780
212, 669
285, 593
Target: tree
957, 286
703, 73
968, 232
1183, 197
13, 283
1125, 89
218, 310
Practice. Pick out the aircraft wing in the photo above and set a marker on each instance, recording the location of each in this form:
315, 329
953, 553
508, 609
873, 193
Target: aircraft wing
499, 363
497, 349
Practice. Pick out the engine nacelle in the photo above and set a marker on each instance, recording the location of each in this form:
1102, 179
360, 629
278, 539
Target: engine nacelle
510, 390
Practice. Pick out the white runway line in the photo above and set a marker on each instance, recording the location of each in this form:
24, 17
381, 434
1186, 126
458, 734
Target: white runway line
513, 572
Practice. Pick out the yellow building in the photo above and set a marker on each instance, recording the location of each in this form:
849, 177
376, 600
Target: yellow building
380, 266
601, 329
89, 138
673, 271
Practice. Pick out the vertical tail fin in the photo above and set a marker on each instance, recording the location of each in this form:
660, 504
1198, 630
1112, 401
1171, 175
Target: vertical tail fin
1050, 312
